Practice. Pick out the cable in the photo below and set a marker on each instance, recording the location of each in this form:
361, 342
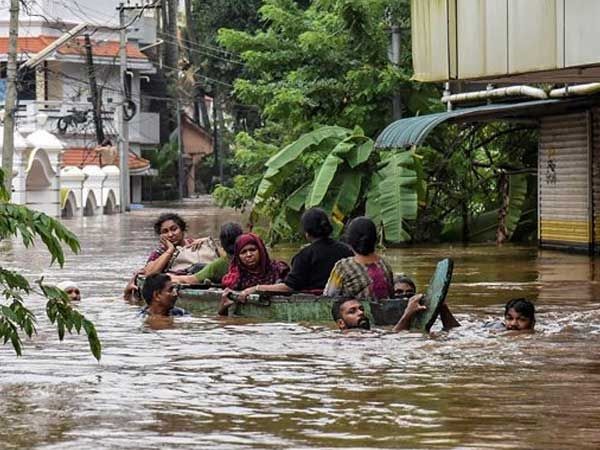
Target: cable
201, 52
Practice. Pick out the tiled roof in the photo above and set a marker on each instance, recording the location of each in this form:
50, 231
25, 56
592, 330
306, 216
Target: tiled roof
91, 157
31, 45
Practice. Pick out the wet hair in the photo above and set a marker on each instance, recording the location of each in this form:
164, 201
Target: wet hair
522, 306
404, 279
316, 223
337, 306
154, 283
229, 233
361, 235
169, 216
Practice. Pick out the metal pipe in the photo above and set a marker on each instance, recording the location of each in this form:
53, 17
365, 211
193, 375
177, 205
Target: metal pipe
511, 91
578, 89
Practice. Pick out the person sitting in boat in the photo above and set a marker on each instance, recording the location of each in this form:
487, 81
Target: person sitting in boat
312, 265
349, 314
519, 315
215, 270
366, 275
160, 295
251, 265
176, 253
71, 289
404, 287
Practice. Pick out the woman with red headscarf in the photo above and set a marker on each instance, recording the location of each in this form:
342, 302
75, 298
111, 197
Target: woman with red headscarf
251, 265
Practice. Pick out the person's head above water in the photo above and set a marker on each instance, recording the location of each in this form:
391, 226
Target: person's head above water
519, 314
316, 224
361, 235
171, 226
349, 313
404, 287
159, 292
71, 289
229, 233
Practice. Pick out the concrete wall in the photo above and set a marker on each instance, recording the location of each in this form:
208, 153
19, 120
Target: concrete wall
471, 39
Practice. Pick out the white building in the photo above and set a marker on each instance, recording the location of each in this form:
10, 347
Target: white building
59, 87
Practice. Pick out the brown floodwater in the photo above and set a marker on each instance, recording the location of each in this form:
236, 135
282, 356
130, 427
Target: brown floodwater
198, 382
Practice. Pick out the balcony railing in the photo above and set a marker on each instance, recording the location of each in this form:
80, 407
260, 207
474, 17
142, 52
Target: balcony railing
69, 119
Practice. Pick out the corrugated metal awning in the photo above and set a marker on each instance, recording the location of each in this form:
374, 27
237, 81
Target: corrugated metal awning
413, 130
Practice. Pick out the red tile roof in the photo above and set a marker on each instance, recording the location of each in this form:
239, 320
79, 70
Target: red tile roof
91, 157
75, 46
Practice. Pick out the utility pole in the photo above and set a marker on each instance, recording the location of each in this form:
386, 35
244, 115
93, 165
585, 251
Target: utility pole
216, 140
395, 57
180, 168
96, 99
123, 125
8, 143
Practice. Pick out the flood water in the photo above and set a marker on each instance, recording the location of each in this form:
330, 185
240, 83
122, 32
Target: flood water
200, 382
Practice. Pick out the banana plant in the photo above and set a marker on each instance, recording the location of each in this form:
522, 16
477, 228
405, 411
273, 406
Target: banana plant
351, 179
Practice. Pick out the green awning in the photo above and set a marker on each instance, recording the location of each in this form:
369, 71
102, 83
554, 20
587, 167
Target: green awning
413, 130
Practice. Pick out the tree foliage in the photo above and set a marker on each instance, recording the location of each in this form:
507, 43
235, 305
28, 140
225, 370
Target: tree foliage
15, 317
319, 73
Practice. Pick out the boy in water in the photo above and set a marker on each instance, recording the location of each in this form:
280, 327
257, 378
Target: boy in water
519, 315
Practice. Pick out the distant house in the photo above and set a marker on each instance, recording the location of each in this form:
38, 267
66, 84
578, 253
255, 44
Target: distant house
58, 89
493, 55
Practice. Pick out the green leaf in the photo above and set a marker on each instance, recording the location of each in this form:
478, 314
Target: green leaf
295, 149
350, 184
360, 153
517, 196
298, 198
397, 196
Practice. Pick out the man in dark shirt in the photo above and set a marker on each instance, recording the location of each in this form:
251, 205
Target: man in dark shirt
160, 294
312, 265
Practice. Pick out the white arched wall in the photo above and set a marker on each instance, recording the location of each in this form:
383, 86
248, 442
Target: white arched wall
93, 184
69, 206
91, 207
110, 189
41, 184
110, 204
41, 181
71, 181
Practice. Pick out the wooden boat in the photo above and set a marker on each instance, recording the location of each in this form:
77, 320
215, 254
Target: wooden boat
300, 307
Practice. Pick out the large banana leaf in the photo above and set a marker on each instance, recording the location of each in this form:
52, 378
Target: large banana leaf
327, 172
350, 184
517, 193
276, 164
360, 153
372, 207
290, 152
297, 199
397, 195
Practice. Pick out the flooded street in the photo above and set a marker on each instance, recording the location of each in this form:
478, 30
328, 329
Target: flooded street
208, 383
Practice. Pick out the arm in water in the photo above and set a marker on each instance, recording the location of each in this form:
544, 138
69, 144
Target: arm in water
412, 308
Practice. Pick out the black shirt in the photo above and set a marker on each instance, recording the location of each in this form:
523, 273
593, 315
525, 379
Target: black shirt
312, 265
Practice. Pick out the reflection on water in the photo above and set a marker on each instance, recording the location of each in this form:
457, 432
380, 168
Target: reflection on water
199, 382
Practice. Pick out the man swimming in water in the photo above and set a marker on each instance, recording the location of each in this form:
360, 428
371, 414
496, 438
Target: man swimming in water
160, 294
71, 289
350, 314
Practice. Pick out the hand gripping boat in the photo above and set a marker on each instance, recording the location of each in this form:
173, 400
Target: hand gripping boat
302, 307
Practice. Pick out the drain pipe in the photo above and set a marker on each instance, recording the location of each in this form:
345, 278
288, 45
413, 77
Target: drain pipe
447, 94
579, 89
511, 91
